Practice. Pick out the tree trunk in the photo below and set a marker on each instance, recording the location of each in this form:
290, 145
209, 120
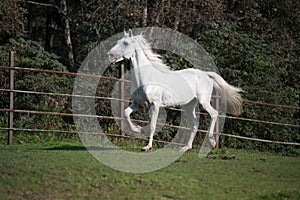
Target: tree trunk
145, 13
67, 32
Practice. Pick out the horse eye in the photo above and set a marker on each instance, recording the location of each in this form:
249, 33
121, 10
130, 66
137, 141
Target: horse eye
125, 43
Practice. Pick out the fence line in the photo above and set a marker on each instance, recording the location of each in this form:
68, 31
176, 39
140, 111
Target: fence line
128, 81
271, 104
121, 99
175, 109
92, 133
260, 121
58, 114
86, 115
67, 95
261, 140
118, 79
62, 73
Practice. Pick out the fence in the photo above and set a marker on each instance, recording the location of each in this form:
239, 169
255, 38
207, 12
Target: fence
11, 91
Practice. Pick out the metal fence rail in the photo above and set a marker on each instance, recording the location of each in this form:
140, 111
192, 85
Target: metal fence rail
11, 91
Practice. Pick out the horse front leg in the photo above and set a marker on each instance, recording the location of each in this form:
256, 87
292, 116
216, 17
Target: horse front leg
154, 110
132, 108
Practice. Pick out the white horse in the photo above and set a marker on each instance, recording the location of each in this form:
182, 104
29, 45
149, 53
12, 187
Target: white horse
158, 86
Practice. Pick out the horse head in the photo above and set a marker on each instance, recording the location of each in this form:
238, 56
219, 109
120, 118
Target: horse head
124, 49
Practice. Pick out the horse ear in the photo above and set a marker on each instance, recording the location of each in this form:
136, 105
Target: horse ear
142, 33
125, 33
130, 33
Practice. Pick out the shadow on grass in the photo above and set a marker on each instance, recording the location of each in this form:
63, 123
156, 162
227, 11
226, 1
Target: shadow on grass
80, 148
67, 148
64, 147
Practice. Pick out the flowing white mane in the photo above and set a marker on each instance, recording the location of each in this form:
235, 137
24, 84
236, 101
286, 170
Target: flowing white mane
154, 58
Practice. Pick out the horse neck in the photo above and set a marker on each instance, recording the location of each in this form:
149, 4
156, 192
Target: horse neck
141, 67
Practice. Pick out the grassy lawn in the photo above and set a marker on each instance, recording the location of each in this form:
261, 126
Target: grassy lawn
68, 171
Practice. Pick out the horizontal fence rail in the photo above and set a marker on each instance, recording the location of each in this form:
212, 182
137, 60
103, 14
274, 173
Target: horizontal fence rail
11, 91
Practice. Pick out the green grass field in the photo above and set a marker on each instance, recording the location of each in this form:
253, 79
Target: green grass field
68, 171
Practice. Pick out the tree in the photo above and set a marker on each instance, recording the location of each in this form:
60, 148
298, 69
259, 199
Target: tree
12, 20
67, 31
63, 11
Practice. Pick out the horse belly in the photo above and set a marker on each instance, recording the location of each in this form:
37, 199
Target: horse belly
173, 89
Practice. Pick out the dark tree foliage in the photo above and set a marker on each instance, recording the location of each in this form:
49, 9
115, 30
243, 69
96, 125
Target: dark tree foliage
12, 19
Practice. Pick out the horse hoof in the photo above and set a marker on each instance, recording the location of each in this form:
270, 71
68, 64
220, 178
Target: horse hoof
138, 129
213, 144
145, 149
185, 148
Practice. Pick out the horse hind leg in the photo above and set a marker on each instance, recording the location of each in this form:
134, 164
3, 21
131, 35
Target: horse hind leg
214, 116
154, 110
190, 109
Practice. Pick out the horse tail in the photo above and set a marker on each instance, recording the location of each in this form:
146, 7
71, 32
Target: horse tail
229, 93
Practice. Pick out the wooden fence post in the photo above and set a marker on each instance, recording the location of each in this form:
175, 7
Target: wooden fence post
121, 98
11, 99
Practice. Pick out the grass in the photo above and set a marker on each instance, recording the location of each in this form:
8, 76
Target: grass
68, 171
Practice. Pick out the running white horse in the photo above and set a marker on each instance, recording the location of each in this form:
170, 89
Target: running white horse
158, 86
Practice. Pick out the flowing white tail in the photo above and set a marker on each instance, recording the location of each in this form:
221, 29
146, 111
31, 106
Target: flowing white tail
229, 93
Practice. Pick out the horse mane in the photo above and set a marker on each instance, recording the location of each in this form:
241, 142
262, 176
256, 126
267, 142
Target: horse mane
154, 58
